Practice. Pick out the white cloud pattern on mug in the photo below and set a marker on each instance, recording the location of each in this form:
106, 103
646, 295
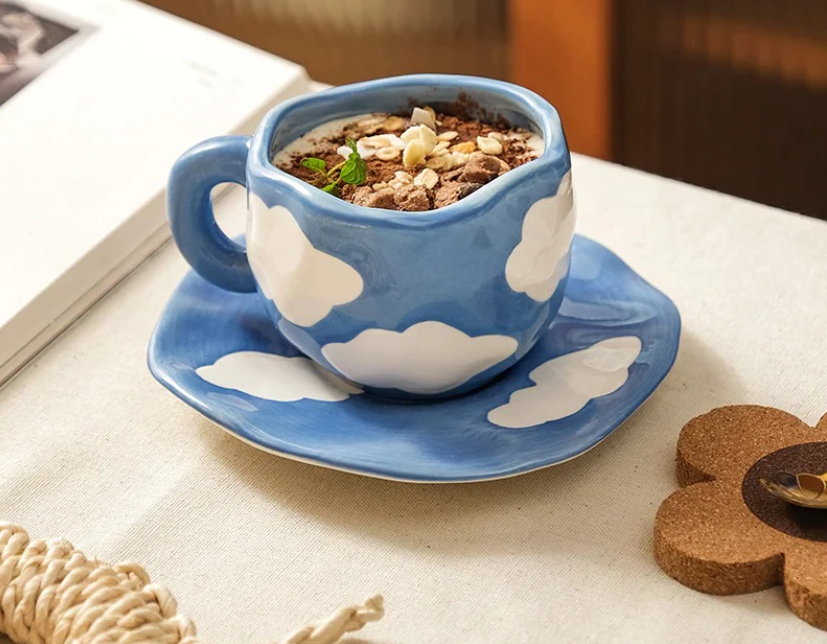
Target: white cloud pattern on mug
303, 282
426, 358
537, 264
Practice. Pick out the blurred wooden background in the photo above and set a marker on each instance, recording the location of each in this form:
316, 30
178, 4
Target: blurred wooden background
728, 94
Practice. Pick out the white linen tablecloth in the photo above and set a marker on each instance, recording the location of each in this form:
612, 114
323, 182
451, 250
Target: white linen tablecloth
253, 546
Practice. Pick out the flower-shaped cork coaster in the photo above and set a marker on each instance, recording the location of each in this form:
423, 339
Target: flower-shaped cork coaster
723, 532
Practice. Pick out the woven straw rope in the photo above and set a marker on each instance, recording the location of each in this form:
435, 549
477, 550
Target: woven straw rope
51, 593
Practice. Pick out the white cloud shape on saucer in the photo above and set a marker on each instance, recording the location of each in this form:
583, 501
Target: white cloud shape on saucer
537, 264
426, 358
304, 283
279, 378
564, 385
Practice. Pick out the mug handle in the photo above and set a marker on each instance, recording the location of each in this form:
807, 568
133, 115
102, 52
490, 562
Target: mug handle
212, 254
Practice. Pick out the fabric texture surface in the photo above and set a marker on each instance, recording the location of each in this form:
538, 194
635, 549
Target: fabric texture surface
253, 546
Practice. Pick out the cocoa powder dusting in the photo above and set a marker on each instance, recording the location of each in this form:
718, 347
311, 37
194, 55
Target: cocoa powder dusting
454, 183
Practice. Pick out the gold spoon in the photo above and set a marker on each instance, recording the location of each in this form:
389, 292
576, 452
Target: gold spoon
806, 490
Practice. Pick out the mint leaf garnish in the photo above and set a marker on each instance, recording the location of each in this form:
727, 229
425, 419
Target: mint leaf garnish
355, 170
317, 165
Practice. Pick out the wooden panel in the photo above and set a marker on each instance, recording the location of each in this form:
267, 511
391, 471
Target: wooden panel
726, 94
562, 50
342, 42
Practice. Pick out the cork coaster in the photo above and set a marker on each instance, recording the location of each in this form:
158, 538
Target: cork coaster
723, 533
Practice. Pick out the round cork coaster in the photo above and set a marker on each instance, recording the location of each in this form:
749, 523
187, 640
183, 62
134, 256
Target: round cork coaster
723, 533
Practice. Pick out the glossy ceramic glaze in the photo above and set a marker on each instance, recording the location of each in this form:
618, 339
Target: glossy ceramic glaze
613, 341
405, 304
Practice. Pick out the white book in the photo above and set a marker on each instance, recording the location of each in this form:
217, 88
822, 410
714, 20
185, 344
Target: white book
97, 100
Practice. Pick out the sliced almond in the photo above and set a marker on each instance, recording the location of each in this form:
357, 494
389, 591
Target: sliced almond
440, 147
447, 136
428, 137
376, 142
396, 142
460, 158
423, 117
489, 146
381, 185
394, 185
368, 125
343, 151
427, 178
422, 133
381, 141
364, 151
442, 162
402, 176
414, 153
370, 120
466, 147
393, 123
410, 134
387, 154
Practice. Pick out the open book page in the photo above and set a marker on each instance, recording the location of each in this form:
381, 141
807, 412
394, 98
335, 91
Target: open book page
97, 100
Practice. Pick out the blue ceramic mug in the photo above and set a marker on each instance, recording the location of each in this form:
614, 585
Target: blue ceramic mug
404, 304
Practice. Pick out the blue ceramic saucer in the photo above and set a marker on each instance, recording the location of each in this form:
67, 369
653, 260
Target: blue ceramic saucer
612, 343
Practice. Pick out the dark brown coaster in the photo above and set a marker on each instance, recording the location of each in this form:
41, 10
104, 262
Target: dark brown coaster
804, 523
723, 533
